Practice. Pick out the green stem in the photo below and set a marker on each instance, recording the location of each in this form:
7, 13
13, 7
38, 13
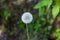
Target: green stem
27, 32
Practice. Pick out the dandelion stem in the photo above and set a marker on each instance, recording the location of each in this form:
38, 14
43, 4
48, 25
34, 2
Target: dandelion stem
27, 32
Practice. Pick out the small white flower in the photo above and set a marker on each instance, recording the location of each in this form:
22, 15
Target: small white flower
27, 17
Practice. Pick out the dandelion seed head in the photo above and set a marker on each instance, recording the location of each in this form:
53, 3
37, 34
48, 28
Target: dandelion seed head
27, 17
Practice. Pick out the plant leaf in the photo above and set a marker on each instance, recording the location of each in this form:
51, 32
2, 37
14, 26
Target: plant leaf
40, 4
55, 11
41, 11
43, 3
49, 3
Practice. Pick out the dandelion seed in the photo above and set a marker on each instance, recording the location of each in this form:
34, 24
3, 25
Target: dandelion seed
27, 17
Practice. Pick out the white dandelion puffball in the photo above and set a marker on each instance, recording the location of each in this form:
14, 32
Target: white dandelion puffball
27, 17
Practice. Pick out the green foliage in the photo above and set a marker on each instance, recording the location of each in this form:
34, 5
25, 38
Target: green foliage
43, 3
48, 3
37, 27
20, 25
40, 4
56, 33
2, 0
44, 6
6, 14
55, 10
41, 11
